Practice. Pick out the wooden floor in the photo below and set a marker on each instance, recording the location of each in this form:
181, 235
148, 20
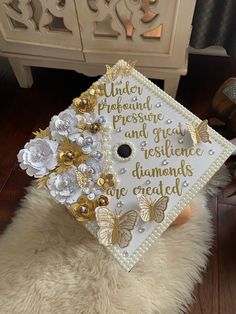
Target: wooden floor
25, 110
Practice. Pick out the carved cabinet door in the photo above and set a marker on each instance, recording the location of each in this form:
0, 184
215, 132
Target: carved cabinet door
155, 32
40, 27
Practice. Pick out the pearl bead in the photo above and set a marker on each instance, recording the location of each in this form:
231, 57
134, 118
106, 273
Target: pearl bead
135, 98
185, 184
91, 196
158, 105
141, 229
169, 121
211, 152
123, 170
143, 144
91, 170
118, 130
125, 254
89, 140
98, 155
148, 182
165, 162
101, 120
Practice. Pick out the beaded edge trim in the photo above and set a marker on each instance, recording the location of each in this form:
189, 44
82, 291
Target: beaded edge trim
129, 262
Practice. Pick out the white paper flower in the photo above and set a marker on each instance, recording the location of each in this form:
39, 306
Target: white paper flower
38, 157
65, 124
97, 168
90, 117
95, 144
64, 187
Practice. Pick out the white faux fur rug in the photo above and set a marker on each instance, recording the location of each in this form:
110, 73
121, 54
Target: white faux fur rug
50, 264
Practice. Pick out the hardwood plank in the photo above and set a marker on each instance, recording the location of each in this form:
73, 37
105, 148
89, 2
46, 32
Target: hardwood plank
11, 194
206, 294
227, 258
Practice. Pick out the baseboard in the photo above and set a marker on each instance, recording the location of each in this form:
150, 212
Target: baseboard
211, 51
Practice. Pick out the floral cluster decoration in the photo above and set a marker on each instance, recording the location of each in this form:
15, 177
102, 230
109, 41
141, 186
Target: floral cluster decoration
70, 158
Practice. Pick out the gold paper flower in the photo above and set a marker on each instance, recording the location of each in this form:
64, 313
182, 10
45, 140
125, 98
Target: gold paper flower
70, 154
85, 103
106, 181
83, 210
97, 89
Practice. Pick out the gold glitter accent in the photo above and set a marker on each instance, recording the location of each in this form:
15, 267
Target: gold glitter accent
123, 69
82, 180
126, 68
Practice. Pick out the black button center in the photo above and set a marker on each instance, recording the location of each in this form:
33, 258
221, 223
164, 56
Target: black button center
124, 151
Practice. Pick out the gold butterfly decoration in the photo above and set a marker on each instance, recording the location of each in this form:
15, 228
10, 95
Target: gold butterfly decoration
115, 228
127, 68
112, 73
124, 69
82, 180
200, 133
152, 211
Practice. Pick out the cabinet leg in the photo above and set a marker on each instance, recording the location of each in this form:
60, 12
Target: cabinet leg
171, 85
22, 73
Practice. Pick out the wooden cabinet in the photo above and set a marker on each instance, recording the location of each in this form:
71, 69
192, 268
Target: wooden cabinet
84, 35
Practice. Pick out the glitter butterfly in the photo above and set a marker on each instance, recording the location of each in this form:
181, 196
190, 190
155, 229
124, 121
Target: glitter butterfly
115, 228
152, 211
82, 179
112, 73
127, 68
200, 133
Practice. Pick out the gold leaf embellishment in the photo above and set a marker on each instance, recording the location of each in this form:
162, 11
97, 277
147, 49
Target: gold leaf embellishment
41, 183
42, 133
